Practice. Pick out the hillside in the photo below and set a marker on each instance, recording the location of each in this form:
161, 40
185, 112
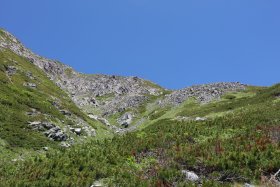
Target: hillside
34, 111
59, 127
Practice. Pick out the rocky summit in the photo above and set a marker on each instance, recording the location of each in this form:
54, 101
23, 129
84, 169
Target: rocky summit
59, 127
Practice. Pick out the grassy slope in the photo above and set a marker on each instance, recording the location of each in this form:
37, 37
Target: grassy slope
16, 100
242, 142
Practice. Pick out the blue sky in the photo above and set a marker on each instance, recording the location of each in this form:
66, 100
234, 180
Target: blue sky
175, 43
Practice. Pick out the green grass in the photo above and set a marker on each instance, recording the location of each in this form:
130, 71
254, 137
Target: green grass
229, 103
240, 137
16, 100
239, 143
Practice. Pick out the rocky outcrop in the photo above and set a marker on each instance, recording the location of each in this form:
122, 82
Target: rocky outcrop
78, 131
190, 176
109, 94
125, 120
56, 134
30, 85
127, 92
11, 70
203, 93
50, 130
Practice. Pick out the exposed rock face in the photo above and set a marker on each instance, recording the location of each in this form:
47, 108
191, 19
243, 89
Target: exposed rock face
126, 92
109, 94
121, 103
125, 120
203, 93
121, 92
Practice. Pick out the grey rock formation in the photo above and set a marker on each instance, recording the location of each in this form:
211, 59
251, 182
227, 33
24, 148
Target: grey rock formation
127, 92
56, 134
66, 112
203, 93
78, 131
121, 103
106, 95
190, 176
89, 131
30, 75
125, 120
50, 130
11, 70
30, 85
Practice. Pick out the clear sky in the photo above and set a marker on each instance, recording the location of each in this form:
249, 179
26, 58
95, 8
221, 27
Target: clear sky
175, 43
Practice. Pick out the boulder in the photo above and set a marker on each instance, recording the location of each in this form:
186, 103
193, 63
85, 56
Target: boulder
30, 85
29, 75
96, 184
56, 134
77, 131
48, 125
65, 112
190, 176
36, 125
11, 70
125, 120
125, 125
89, 131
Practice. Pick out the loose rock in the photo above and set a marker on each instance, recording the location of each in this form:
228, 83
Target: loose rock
30, 85
190, 176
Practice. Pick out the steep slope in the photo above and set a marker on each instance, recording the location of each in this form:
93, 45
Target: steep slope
34, 112
101, 95
114, 100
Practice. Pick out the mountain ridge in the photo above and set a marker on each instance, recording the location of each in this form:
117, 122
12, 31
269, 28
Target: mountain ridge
70, 80
115, 100
59, 127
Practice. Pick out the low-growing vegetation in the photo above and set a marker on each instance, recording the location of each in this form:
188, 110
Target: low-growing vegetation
238, 147
17, 99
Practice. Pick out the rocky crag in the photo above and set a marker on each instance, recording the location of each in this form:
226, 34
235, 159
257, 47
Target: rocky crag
203, 93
